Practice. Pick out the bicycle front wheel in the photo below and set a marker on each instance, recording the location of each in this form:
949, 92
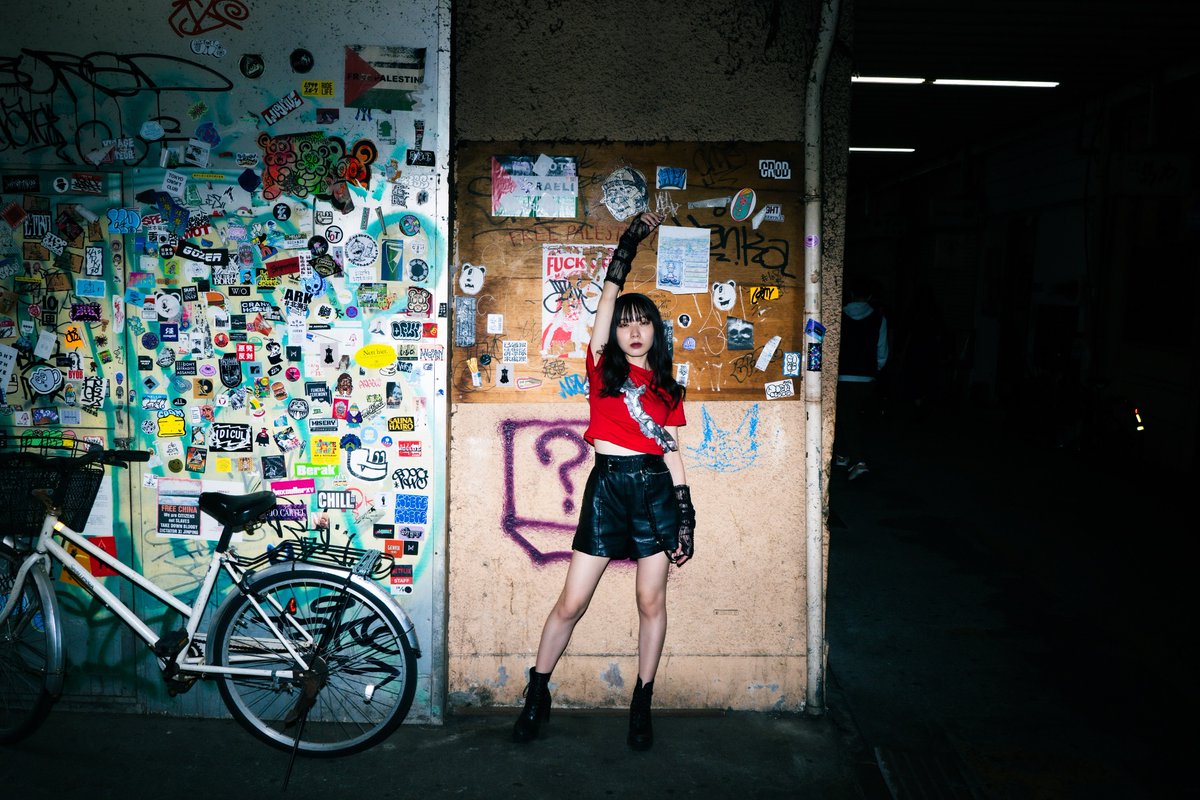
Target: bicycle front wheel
30, 651
360, 684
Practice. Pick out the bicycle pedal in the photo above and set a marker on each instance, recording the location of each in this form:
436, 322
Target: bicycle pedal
170, 644
177, 686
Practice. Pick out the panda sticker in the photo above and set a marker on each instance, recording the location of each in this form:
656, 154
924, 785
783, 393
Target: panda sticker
470, 278
724, 295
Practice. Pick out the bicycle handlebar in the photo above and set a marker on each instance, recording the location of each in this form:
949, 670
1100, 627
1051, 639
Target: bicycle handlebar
123, 458
77, 453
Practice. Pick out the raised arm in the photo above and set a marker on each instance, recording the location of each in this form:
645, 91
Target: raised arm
618, 268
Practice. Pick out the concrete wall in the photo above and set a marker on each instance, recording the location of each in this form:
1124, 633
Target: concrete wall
626, 71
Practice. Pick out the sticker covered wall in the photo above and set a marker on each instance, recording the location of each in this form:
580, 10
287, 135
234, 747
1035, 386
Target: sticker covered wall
234, 256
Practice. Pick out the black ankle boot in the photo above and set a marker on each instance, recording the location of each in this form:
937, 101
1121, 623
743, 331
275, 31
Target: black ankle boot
641, 731
537, 707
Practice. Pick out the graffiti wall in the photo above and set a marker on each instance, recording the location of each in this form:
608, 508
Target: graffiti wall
537, 226
539, 223
224, 240
736, 634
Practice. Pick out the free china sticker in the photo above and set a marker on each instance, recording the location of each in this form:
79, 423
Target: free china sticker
412, 449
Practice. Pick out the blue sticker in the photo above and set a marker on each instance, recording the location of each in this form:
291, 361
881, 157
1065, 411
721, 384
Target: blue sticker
169, 332
412, 508
149, 341
410, 225
85, 287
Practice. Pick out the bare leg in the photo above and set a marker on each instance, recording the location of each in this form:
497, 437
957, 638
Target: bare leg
652, 613
582, 578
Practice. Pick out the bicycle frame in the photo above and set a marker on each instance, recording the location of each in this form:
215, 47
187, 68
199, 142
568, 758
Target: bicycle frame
47, 548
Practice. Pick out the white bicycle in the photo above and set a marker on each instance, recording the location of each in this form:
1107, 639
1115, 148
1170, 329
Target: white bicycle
309, 653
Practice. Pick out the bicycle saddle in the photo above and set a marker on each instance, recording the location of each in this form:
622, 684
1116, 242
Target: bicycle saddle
236, 511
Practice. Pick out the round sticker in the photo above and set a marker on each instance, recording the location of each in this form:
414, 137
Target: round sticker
374, 356
743, 205
175, 465
361, 250
35, 310
149, 340
685, 320
351, 312
410, 225
689, 343
333, 234
152, 131
318, 245
418, 269
386, 441
302, 60
298, 408
292, 374
208, 370
281, 211
251, 65
166, 358
221, 339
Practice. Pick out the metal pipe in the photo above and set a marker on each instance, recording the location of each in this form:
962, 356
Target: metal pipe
814, 452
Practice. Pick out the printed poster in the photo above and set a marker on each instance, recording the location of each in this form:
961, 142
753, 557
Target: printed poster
572, 279
383, 77
683, 259
535, 186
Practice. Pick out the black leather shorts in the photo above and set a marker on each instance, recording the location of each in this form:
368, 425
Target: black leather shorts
629, 508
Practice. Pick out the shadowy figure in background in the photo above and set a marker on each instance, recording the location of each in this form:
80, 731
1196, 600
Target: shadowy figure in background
864, 353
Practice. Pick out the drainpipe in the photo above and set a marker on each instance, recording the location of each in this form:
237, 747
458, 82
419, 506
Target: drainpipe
814, 452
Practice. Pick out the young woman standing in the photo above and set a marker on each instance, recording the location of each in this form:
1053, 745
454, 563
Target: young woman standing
637, 503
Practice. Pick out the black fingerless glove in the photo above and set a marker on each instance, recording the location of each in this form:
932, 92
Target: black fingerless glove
622, 259
687, 520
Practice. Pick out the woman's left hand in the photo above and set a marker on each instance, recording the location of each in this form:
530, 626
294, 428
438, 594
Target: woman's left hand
687, 526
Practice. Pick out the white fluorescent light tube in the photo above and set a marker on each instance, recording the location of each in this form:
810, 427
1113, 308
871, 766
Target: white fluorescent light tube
871, 79
1019, 84
883, 149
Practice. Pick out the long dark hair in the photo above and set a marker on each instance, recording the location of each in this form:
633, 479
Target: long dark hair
614, 367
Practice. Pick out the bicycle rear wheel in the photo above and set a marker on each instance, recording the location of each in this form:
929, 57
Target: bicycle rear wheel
364, 680
30, 652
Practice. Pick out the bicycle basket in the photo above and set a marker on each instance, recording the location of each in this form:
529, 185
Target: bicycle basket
35, 462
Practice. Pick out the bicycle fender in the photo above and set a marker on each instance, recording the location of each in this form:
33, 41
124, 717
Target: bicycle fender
369, 586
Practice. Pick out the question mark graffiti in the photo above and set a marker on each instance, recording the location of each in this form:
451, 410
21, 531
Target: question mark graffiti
564, 470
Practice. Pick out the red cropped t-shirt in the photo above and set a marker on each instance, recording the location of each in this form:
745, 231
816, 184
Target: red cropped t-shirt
610, 418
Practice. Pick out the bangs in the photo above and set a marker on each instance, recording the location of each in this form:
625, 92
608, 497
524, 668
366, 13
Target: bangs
636, 308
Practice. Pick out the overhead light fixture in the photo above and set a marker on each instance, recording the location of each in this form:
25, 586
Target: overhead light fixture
1018, 84
883, 149
880, 79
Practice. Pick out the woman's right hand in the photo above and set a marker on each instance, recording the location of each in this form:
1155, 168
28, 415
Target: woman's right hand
642, 226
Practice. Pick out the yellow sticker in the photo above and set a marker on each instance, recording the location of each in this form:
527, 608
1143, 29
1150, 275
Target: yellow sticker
73, 337
374, 356
324, 450
224, 464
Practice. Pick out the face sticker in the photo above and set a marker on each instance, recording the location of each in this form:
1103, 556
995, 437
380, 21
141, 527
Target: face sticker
367, 464
470, 278
724, 295
739, 334
625, 193
46, 380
